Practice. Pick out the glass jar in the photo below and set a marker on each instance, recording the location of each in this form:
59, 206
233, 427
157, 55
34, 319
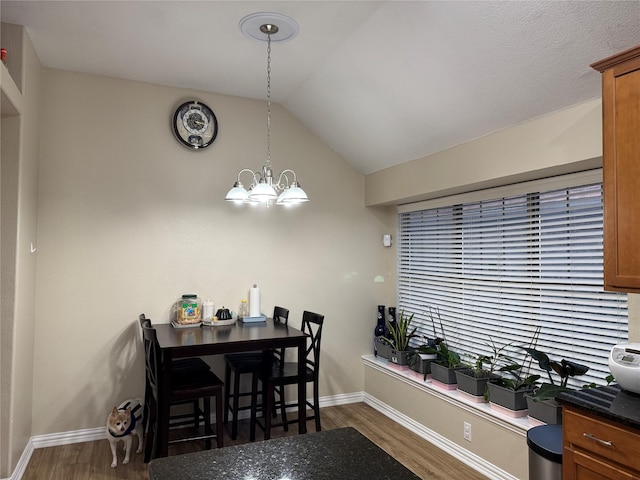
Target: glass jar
188, 309
243, 312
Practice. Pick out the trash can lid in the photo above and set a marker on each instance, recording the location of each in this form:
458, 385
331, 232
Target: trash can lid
546, 441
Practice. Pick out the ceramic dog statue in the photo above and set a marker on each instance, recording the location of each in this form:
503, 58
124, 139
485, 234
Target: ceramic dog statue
123, 423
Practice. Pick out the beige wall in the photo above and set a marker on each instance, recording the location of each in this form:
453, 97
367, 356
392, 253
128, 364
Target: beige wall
130, 220
20, 150
566, 141
503, 447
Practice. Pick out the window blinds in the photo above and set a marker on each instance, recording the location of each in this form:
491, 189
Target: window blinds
500, 269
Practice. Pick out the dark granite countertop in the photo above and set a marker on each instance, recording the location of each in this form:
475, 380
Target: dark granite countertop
330, 454
609, 402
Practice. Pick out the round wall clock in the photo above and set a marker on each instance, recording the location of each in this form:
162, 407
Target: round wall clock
195, 125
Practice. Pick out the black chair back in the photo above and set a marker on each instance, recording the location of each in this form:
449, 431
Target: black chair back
151, 355
280, 315
312, 326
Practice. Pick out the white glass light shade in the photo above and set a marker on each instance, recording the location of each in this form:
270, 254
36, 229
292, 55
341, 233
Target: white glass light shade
237, 194
262, 192
292, 195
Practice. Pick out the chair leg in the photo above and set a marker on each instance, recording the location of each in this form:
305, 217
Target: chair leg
150, 434
283, 409
207, 421
268, 395
146, 411
196, 414
236, 404
219, 425
254, 406
316, 405
227, 391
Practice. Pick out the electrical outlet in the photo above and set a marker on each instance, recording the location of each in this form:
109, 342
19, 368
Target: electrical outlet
467, 431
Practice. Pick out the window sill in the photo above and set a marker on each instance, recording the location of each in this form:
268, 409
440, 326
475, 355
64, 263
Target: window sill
483, 410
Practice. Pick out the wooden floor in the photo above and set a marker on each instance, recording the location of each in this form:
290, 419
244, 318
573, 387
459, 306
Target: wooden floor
92, 460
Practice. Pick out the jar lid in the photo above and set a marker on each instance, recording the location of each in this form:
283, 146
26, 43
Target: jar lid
189, 295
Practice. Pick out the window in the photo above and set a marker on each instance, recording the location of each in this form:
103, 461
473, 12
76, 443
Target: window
499, 265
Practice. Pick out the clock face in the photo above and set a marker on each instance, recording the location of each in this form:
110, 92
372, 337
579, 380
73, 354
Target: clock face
195, 125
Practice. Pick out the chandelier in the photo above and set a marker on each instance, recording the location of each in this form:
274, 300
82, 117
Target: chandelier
264, 188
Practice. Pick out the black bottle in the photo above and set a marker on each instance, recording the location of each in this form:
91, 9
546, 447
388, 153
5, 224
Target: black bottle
392, 317
381, 327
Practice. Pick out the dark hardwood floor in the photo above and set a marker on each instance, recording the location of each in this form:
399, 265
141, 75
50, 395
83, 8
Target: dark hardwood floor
92, 460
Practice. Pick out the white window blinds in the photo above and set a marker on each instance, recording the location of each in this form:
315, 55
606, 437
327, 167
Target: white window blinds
499, 268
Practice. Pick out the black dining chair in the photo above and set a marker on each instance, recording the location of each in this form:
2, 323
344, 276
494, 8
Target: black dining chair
243, 364
281, 374
182, 388
179, 367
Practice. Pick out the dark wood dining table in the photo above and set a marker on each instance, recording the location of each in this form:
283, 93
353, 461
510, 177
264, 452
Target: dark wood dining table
215, 340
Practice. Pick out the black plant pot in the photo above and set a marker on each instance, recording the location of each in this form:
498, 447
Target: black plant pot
547, 411
443, 374
469, 383
423, 363
400, 357
510, 399
382, 348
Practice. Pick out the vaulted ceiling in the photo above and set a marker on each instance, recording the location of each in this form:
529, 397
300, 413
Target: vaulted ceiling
381, 82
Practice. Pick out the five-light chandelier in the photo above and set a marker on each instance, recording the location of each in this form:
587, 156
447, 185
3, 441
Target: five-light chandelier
263, 189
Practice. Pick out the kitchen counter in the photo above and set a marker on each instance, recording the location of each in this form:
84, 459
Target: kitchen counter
610, 402
330, 454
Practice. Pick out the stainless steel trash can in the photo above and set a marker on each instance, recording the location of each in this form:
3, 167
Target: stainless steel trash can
545, 452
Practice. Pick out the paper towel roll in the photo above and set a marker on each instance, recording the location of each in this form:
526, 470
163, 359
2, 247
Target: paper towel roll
254, 301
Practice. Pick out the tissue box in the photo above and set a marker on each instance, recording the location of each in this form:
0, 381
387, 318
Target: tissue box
260, 318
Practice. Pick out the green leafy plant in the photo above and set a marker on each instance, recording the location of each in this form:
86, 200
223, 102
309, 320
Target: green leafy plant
519, 377
400, 333
563, 368
445, 357
519, 380
486, 365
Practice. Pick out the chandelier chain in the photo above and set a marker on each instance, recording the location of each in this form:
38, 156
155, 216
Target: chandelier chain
268, 98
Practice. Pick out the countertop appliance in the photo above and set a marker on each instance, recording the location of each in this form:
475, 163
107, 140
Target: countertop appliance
624, 363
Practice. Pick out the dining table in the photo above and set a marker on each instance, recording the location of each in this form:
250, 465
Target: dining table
197, 341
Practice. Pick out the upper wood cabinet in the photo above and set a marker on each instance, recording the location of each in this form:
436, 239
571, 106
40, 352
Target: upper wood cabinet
621, 169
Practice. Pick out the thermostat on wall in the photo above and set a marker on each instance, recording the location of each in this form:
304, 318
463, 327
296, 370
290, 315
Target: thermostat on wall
386, 240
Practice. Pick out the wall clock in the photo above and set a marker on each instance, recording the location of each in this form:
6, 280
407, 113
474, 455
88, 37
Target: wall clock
195, 125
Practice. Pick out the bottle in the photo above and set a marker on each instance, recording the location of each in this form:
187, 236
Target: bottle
207, 311
380, 330
243, 312
392, 317
188, 309
381, 327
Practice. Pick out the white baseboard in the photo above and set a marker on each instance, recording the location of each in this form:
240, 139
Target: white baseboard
21, 467
67, 438
465, 456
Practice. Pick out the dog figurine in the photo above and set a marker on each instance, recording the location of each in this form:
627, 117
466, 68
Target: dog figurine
123, 423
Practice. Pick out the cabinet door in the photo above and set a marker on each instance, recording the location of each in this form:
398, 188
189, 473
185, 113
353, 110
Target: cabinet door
579, 465
621, 170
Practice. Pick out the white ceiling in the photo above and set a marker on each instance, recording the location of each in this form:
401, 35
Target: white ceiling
382, 83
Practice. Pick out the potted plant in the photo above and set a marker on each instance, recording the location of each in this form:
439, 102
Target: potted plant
400, 333
473, 379
541, 403
420, 362
507, 390
445, 364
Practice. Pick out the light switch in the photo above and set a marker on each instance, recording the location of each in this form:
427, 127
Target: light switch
386, 240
